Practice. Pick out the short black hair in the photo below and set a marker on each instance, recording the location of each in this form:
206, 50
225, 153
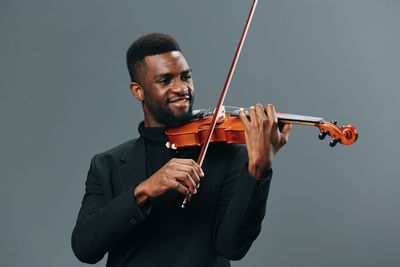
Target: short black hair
148, 45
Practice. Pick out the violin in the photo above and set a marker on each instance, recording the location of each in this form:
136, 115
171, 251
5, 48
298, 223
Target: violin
229, 129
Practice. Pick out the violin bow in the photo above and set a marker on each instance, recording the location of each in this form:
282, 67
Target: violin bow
223, 94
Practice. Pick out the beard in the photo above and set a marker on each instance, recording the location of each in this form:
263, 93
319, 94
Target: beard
163, 114
168, 118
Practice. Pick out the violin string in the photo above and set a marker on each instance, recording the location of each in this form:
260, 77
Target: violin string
234, 108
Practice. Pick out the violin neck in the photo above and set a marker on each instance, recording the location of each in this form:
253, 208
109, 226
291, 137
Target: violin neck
299, 119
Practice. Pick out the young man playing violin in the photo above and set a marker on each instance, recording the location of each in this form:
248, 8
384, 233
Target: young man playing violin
131, 207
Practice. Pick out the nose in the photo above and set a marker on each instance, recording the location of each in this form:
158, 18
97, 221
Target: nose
178, 87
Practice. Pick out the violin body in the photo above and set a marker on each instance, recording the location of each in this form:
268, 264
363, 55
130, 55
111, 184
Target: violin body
228, 129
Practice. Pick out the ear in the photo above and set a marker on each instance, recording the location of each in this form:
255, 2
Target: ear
137, 91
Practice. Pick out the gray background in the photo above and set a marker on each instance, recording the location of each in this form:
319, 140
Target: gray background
64, 97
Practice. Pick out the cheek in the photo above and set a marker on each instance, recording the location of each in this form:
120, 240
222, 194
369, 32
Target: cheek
155, 100
191, 89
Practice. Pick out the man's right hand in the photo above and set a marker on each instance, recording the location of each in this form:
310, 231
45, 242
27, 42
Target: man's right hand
182, 175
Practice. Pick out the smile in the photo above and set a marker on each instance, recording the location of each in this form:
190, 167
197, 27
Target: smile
178, 99
180, 102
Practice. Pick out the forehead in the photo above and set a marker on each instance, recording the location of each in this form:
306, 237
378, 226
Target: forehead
169, 62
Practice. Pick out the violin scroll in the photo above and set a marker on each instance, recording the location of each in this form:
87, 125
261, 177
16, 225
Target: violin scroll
346, 135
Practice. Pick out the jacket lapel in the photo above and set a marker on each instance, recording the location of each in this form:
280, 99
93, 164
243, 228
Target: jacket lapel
134, 169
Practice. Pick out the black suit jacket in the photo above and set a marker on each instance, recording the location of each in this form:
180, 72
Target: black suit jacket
220, 223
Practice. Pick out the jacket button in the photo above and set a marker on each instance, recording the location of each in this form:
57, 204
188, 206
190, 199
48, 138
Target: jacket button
132, 221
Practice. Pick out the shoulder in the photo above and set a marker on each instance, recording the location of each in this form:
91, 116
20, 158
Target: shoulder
119, 150
115, 154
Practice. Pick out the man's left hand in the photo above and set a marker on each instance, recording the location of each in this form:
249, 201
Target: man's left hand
264, 138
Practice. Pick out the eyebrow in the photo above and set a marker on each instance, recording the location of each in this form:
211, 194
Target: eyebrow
169, 75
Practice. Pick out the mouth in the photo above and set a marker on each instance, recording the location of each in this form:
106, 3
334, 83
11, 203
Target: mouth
179, 102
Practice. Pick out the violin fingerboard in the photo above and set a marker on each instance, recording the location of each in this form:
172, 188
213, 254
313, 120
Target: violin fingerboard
287, 117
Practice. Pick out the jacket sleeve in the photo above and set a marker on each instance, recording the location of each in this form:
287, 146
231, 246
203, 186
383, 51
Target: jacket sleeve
241, 208
101, 225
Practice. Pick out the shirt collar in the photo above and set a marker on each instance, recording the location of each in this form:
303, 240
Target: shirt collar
153, 134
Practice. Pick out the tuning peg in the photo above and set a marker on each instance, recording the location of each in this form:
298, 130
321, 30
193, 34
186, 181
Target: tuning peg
322, 135
333, 142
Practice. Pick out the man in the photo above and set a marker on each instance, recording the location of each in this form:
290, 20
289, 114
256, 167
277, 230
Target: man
131, 207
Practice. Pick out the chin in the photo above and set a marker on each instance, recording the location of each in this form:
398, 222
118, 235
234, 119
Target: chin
176, 120
179, 114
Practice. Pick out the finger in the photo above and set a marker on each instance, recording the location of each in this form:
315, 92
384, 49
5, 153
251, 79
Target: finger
243, 118
252, 114
286, 131
191, 163
187, 179
178, 187
260, 111
191, 171
270, 110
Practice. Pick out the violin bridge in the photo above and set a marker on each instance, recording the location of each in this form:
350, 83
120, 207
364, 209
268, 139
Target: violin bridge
221, 113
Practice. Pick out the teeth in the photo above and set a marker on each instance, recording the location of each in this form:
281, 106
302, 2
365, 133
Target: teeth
182, 100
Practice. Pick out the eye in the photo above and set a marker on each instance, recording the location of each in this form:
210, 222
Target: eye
164, 81
186, 77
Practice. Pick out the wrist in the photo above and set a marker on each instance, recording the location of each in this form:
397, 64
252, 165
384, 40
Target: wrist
258, 171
